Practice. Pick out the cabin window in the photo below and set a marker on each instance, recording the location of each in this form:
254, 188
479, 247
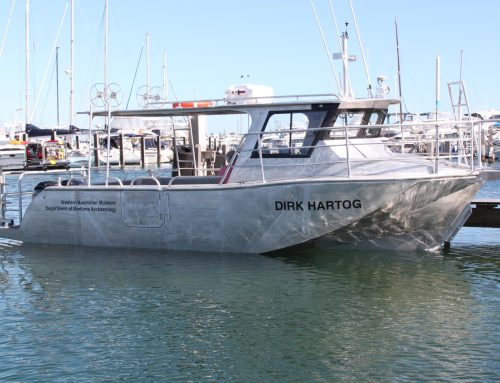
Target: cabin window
289, 134
354, 119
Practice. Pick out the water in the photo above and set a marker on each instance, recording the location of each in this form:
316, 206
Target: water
104, 315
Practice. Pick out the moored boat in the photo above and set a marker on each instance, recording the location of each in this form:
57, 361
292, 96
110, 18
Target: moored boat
341, 183
12, 155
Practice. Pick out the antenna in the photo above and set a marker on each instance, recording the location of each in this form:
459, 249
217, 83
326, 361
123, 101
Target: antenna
113, 94
146, 95
109, 96
97, 95
156, 94
343, 55
101, 95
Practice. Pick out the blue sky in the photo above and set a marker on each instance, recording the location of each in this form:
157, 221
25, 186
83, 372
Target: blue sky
210, 44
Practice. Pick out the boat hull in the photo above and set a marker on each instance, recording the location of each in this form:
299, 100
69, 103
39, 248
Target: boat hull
12, 158
255, 218
424, 217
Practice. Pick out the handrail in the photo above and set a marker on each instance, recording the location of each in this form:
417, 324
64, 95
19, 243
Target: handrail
145, 178
37, 172
113, 178
261, 160
347, 157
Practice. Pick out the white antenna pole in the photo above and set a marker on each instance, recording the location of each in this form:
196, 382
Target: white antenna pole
345, 61
362, 50
340, 40
165, 78
326, 47
27, 65
71, 67
438, 81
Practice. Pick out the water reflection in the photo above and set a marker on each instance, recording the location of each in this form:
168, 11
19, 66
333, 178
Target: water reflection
307, 315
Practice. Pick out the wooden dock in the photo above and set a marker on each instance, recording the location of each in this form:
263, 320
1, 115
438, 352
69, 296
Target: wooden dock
485, 213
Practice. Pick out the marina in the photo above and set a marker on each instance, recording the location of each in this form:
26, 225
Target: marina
236, 207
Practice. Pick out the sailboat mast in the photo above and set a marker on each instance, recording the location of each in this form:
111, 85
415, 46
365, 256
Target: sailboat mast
71, 57
165, 81
27, 65
438, 85
57, 84
399, 74
147, 63
106, 43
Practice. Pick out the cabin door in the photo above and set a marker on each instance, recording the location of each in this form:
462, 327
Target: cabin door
143, 208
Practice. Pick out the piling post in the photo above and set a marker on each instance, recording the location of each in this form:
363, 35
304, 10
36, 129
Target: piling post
2, 196
122, 147
158, 151
143, 151
96, 149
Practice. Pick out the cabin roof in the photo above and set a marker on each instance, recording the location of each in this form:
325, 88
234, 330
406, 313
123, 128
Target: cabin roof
219, 109
224, 108
367, 103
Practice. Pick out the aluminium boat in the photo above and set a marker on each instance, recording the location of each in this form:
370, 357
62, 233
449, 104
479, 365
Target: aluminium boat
328, 182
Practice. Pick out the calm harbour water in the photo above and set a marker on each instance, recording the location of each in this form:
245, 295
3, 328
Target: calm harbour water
104, 315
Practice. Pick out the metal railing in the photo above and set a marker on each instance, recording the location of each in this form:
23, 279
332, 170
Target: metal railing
7, 197
421, 140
